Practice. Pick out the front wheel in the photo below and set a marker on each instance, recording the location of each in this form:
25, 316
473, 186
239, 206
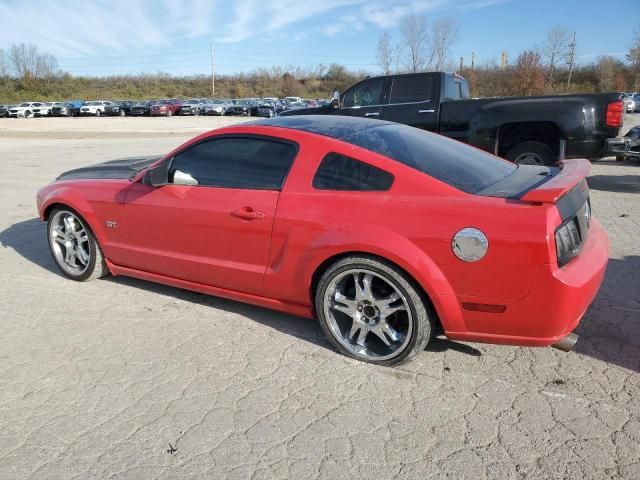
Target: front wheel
531, 153
372, 311
122, 113
27, 114
74, 247
98, 113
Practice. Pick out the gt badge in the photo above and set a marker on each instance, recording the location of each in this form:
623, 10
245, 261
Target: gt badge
111, 224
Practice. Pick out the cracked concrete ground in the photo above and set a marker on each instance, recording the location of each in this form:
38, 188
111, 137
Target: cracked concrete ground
97, 380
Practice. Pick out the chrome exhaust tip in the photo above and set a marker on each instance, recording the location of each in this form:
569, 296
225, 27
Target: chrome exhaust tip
567, 343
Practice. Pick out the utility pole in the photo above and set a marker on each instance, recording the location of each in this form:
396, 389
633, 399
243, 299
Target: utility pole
503, 60
213, 75
571, 58
473, 60
461, 64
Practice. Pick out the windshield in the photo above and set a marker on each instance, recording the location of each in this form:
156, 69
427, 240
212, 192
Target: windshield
25, 104
459, 165
93, 103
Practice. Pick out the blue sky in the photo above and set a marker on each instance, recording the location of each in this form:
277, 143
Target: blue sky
100, 37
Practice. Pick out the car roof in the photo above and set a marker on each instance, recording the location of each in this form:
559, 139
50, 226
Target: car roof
335, 126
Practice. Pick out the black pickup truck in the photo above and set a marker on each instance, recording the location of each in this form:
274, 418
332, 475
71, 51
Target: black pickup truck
527, 130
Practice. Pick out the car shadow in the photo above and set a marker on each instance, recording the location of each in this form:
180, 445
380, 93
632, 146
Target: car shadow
615, 183
610, 330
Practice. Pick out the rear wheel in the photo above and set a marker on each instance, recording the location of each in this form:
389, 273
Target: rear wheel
531, 153
371, 311
74, 247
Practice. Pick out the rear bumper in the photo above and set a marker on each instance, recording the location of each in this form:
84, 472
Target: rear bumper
554, 306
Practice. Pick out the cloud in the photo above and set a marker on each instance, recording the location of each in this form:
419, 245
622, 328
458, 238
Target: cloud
85, 28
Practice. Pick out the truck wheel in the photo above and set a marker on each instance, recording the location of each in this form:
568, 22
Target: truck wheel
531, 153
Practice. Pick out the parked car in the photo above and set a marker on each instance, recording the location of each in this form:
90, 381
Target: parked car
94, 108
143, 108
67, 109
44, 109
245, 107
629, 146
194, 106
500, 253
119, 108
166, 108
636, 99
629, 103
293, 99
526, 130
217, 107
4, 111
269, 108
24, 109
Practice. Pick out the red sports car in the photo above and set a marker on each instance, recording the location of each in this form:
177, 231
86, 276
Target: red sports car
387, 234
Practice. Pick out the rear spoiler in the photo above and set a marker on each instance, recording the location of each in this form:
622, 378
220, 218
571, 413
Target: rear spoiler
571, 174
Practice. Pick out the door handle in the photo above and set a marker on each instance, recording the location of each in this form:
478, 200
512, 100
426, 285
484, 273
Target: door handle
372, 114
248, 213
426, 111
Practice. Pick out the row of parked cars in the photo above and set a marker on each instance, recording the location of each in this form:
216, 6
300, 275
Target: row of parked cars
260, 107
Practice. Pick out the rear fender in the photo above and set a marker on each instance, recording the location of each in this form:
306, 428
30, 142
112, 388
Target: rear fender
380, 242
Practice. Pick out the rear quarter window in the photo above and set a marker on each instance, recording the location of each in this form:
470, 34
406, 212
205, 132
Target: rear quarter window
339, 172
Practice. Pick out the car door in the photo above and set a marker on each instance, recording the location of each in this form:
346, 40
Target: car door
217, 232
364, 99
411, 102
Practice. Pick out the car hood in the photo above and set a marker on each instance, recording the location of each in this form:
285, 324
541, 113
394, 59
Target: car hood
113, 169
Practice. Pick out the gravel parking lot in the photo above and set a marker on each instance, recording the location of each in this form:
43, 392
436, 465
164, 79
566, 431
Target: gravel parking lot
121, 378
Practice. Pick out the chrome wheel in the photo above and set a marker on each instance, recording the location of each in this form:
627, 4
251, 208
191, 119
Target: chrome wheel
368, 314
69, 242
529, 158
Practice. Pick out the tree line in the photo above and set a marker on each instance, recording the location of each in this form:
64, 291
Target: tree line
27, 73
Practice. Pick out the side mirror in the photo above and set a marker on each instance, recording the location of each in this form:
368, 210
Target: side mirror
182, 178
156, 176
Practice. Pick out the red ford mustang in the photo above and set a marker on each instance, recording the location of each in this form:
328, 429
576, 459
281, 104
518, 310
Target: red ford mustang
387, 234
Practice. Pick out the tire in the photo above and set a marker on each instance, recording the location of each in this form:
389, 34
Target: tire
406, 330
531, 153
169, 113
619, 157
122, 113
60, 236
27, 114
98, 113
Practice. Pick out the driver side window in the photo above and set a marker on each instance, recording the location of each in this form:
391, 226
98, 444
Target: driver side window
236, 162
364, 94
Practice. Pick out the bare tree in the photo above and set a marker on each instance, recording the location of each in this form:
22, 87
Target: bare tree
28, 63
445, 34
633, 57
555, 48
606, 68
415, 33
384, 53
529, 75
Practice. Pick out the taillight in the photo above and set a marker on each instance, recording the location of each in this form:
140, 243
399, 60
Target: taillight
615, 111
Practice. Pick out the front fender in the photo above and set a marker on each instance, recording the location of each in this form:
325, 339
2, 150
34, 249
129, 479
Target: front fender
69, 196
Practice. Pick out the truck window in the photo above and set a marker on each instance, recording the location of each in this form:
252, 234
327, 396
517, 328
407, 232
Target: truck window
452, 89
364, 94
411, 89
